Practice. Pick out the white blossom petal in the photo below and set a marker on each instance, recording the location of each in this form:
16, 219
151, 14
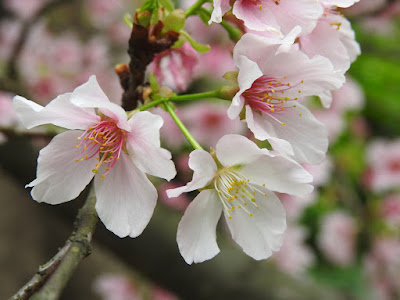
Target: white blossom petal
245, 151
204, 169
279, 174
60, 112
307, 136
143, 144
196, 231
125, 198
60, 177
261, 233
91, 95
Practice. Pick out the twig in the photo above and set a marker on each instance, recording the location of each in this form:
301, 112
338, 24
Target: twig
52, 277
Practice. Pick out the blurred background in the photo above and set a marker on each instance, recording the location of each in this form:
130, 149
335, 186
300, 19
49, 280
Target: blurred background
342, 242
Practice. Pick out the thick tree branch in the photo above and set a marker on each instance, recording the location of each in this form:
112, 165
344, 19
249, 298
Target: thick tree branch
52, 277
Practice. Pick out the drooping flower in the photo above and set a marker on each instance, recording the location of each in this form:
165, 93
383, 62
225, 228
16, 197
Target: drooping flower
272, 81
237, 179
104, 144
278, 16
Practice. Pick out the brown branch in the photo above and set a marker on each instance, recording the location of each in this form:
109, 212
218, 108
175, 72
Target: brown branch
144, 44
52, 277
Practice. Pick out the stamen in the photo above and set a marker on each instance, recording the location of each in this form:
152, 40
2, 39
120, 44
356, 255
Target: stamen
104, 141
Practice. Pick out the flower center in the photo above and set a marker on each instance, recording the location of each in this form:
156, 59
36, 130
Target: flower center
105, 140
236, 192
268, 95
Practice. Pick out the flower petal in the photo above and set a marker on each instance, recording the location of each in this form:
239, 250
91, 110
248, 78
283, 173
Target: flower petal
60, 112
143, 144
307, 136
59, 177
125, 198
234, 149
91, 95
280, 174
196, 231
261, 233
204, 169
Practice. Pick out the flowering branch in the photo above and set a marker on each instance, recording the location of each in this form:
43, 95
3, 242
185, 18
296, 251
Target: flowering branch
51, 278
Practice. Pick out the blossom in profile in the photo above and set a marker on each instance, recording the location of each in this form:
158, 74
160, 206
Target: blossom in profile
277, 16
103, 144
273, 80
237, 179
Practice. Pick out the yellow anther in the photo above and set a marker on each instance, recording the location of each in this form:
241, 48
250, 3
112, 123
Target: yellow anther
283, 124
251, 215
230, 217
77, 146
102, 176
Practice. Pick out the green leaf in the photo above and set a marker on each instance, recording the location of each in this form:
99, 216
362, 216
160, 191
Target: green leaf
196, 46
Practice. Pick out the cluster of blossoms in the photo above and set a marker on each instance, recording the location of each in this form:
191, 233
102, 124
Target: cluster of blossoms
279, 61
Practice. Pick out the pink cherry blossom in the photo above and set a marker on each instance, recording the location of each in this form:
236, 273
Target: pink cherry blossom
175, 67
338, 228
278, 16
383, 158
273, 79
238, 180
104, 144
333, 38
25, 9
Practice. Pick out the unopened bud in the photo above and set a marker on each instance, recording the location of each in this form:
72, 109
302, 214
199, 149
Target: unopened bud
175, 21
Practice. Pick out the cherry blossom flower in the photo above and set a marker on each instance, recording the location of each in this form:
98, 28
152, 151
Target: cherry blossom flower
174, 67
333, 38
278, 16
237, 179
390, 210
104, 144
272, 80
338, 228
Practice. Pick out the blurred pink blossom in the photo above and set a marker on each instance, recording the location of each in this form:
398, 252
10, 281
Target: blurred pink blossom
24, 9
208, 122
116, 287
9, 33
7, 113
294, 257
337, 238
390, 210
383, 158
179, 203
382, 267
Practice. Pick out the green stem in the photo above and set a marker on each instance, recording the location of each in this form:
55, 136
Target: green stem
192, 10
151, 104
182, 127
210, 94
